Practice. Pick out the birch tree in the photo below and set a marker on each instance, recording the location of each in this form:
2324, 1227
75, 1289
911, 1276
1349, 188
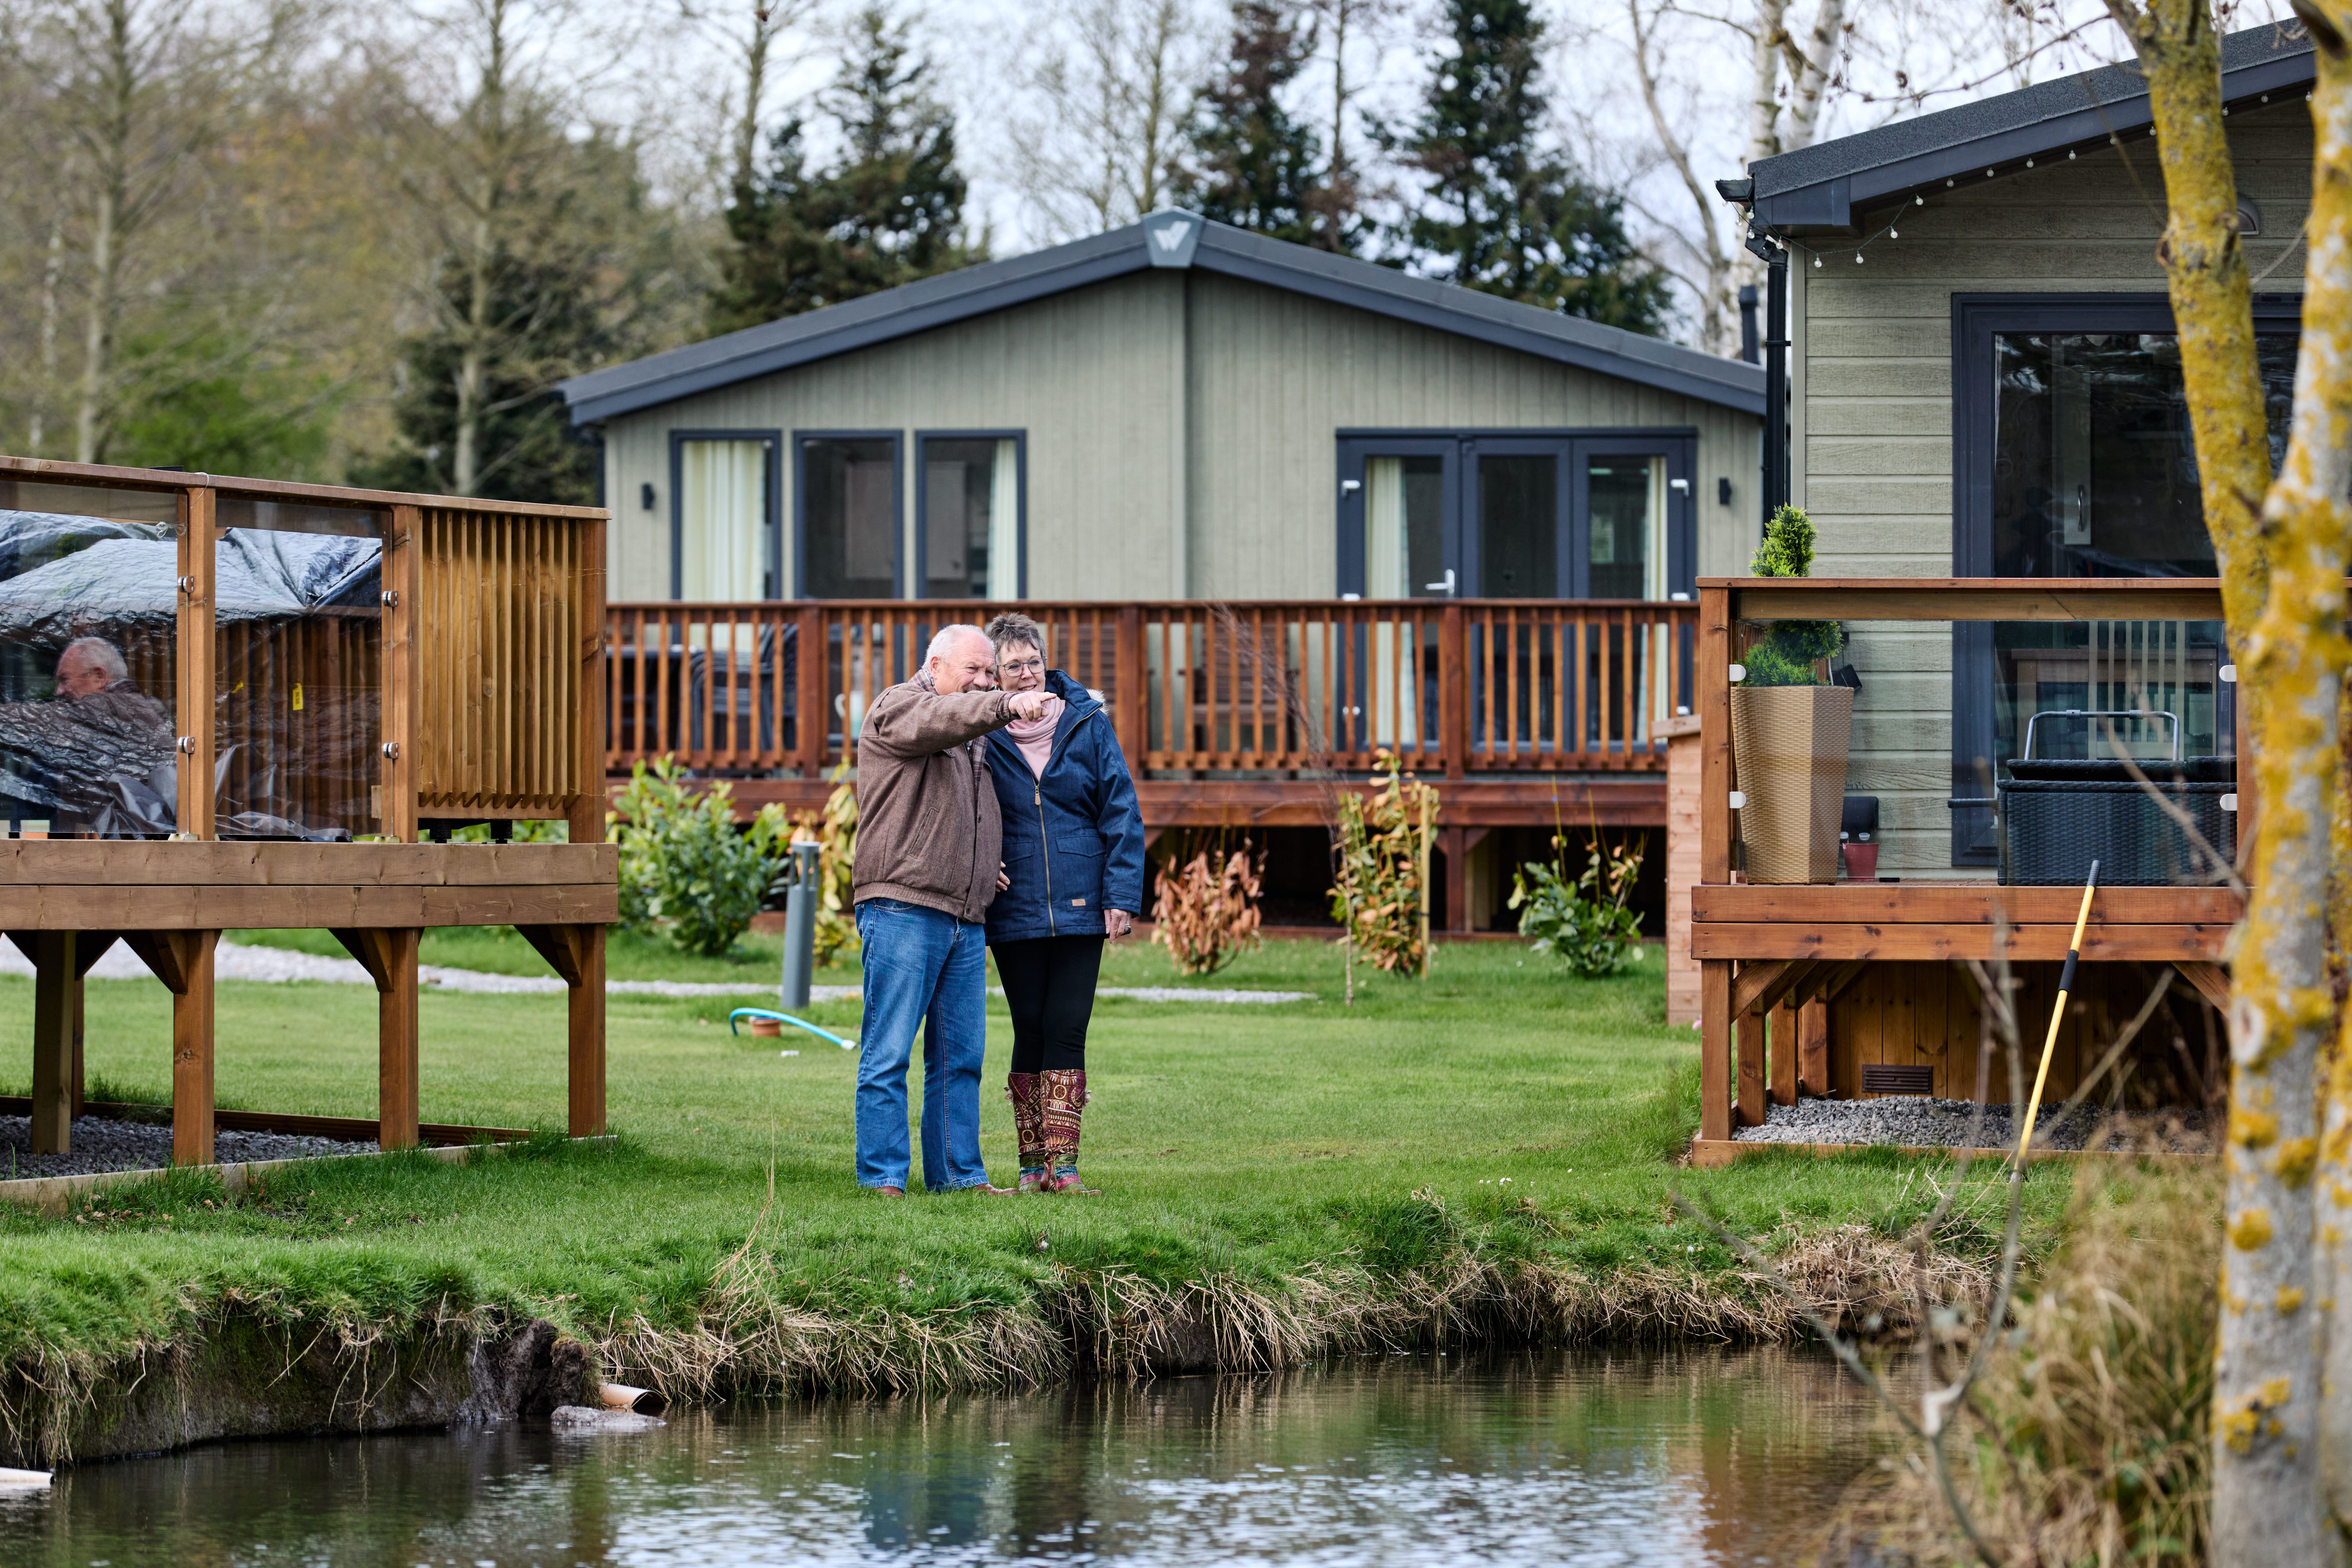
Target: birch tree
1108, 95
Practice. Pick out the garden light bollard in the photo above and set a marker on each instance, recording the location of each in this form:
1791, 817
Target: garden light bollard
800, 926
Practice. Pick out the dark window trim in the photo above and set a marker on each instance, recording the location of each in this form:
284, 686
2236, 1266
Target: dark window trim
772, 504
1977, 319
1020, 439
897, 440
1678, 443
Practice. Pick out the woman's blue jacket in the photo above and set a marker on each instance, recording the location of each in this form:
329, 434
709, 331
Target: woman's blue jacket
1073, 838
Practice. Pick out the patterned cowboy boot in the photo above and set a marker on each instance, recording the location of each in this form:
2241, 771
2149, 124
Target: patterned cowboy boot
1027, 1096
1064, 1102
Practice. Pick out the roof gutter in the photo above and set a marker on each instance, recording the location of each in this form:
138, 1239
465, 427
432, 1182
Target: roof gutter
1832, 203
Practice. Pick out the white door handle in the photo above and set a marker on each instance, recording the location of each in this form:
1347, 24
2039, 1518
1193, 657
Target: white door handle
1446, 587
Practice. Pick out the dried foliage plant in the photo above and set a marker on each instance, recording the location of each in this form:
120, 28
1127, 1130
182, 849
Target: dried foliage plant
1380, 893
1206, 912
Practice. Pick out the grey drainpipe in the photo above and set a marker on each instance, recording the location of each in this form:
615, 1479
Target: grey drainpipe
1767, 246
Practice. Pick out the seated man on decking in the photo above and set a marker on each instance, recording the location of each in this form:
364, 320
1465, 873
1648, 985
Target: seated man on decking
926, 864
97, 734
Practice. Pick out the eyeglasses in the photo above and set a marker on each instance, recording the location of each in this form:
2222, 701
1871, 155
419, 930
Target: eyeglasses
1022, 667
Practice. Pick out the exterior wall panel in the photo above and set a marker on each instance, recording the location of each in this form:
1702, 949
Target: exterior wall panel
1269, 377
1873, 416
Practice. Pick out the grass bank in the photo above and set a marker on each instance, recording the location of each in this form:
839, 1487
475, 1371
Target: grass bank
1490, 1153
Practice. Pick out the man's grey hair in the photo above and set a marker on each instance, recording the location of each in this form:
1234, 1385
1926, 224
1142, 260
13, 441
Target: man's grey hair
100, 652
943, 641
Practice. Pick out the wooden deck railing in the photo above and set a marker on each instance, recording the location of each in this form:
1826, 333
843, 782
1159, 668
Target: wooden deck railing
1253, 688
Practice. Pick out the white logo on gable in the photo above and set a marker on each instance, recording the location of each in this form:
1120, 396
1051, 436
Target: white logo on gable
1172, 236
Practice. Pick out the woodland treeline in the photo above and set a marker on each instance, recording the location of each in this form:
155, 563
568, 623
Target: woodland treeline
287, 239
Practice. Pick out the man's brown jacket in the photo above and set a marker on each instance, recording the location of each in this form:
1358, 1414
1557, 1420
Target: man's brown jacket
927, 828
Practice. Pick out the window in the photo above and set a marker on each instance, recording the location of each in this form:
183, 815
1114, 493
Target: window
848, 511
969, 495
2075, 459
723, 516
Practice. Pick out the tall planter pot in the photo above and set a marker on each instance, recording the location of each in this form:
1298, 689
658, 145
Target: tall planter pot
1788, 745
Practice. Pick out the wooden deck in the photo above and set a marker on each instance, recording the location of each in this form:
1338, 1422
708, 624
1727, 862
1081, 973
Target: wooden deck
468, 688
1849, 989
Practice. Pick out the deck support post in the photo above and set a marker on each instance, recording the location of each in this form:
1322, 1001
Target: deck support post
390, 958
1750, 1028
1453, 844
52, 953
192, 1046
1814, 1049
587, 1036
1715, 1083
1784, 1054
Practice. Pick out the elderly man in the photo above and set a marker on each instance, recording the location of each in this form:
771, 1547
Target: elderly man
926, 864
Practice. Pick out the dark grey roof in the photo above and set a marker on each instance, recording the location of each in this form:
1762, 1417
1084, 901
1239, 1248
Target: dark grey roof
1163, 239
1822, 186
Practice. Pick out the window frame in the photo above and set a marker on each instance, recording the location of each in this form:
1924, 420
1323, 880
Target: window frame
897, 440
1977, 320
771, 471
1020, 439
1576, 445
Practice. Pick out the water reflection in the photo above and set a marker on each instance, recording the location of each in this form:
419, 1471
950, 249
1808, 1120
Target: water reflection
1594, 1459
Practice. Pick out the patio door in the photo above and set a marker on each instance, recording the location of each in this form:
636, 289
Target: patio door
1512, 516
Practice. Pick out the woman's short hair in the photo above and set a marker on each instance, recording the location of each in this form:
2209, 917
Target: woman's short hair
1011, 628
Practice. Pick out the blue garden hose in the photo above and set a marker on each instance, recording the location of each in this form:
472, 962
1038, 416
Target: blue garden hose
787, 1018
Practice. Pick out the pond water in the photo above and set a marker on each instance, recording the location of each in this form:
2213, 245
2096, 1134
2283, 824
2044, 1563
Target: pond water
1700, 1457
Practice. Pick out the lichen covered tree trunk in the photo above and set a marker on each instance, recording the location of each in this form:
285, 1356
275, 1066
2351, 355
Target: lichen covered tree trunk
2268, 1506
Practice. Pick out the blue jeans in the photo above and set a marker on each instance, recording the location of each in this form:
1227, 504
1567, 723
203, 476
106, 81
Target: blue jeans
923, 966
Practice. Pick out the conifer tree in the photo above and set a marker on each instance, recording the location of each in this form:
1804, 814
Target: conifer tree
1252, 163
890, 211
1502, 210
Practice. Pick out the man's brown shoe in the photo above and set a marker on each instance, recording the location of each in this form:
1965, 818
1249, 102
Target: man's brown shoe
888, 1192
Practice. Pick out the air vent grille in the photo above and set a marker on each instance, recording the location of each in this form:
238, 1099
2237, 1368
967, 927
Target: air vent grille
1878, 1079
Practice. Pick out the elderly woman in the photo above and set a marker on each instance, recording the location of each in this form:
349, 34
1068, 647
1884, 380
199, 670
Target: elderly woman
1073, 879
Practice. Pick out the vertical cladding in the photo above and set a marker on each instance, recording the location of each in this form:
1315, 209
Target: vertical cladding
1090, 375
1873, 419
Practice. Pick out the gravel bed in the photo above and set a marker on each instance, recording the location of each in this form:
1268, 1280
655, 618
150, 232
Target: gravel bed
1919, 1121
100, 1144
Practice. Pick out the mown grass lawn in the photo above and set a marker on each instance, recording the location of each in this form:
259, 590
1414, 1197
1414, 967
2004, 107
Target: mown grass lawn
1250, 1142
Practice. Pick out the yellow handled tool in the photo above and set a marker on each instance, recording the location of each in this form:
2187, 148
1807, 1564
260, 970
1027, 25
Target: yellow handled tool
2058, 1014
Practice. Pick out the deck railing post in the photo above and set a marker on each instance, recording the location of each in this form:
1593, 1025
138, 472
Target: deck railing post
1452, 691
810, 661
402, 580
195, 694
586, 814
1128, 681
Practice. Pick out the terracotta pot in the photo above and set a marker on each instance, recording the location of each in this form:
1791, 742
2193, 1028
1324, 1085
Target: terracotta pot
766, 1030
1788, 746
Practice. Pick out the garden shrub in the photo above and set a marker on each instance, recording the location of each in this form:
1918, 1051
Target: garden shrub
834, 829
1380, 890
1584, 924
685, 866
1791, 650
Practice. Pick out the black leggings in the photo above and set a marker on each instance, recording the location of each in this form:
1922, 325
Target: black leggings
1049, 985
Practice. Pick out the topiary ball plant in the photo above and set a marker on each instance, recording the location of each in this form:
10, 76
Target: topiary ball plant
1792, 651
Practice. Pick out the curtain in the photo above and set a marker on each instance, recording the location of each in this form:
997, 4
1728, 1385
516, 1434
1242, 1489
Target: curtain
1384, 529
1005, 522
722, 519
